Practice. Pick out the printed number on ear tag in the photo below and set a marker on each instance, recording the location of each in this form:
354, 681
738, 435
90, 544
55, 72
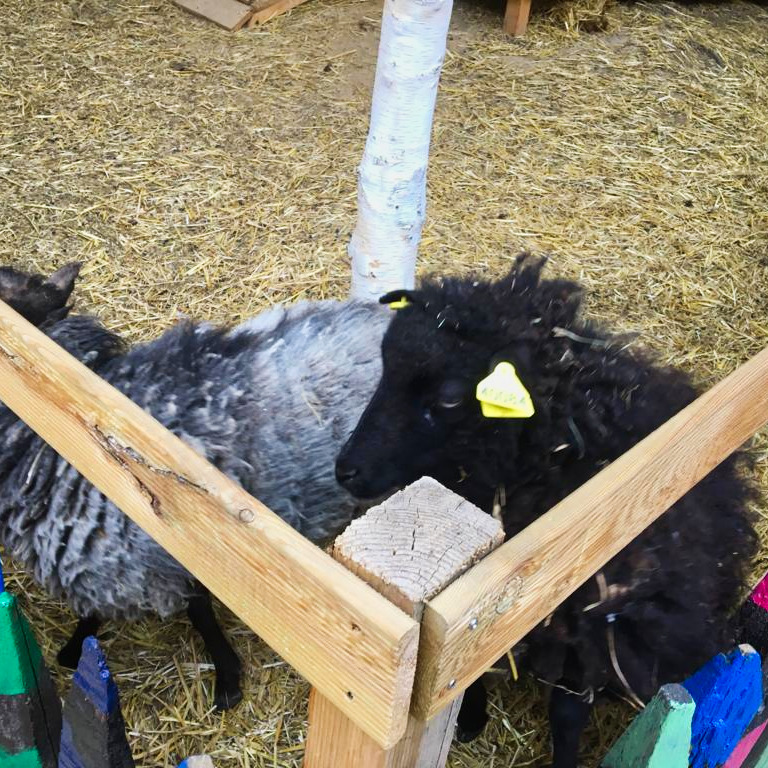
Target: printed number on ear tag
401, 303
503, 396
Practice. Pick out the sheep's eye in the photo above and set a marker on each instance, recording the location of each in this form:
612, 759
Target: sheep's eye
451, 394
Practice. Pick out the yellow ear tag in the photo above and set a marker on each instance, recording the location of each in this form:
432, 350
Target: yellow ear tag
503, 396
399, 304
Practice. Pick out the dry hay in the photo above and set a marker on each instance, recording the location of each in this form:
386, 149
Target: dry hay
204, 173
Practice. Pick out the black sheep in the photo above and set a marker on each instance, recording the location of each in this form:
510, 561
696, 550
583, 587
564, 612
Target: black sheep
661, 607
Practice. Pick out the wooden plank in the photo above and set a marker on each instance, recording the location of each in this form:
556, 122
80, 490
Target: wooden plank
347, 640
522, 582
409, 548
746, 747
260, 5
516, 17
758, 757
93, 732
30, 708
266, 12
728, 691
660, 735
229, 14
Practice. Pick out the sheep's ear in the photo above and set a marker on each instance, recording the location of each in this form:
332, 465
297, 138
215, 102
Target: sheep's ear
526, 272
13, 283
63, 280
400, 299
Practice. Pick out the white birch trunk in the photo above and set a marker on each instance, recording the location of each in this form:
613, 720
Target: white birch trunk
391, 192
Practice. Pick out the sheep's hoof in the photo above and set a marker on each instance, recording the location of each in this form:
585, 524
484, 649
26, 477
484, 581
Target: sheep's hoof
227, 697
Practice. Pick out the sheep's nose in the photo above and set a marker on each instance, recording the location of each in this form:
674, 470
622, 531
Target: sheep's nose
345, 473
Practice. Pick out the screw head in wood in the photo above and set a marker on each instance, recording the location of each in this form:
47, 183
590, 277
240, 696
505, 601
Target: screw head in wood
473, 623
452, 684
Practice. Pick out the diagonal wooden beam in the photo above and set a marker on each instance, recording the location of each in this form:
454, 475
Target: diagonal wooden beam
352, 644
516, 587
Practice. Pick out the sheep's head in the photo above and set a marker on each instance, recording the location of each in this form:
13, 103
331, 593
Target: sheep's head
38, 299
445, 338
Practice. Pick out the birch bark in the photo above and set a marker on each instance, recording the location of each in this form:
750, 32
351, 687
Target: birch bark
391, 193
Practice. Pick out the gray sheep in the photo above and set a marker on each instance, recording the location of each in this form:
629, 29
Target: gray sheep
269, 402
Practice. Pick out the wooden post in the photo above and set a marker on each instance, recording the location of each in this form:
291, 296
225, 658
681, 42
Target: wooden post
409, 549
516, 17
728, 691
30, 709
93, 731
660, 736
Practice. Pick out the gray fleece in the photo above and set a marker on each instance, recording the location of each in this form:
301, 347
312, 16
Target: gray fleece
270, 403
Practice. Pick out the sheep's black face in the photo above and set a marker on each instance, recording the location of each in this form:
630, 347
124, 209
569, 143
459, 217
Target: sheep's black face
37, 299
424, 418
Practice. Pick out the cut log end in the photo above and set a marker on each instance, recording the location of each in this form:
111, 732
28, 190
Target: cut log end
417, 542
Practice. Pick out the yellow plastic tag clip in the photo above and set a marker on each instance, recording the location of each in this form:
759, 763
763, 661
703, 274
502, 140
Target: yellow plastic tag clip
503, 396
401, 303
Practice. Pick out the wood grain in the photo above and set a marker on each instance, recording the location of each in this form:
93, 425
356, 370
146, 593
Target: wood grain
521, 583
416, 543
267, 12
516, 17
229, 14
409, 548
336, 742
347, 640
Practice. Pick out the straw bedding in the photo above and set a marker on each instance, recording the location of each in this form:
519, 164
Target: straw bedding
213, 174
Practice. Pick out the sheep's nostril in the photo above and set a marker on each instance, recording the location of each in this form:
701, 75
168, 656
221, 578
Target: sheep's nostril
345, 474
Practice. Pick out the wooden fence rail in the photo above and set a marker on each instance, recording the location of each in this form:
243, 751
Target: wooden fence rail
520, 584
338, 632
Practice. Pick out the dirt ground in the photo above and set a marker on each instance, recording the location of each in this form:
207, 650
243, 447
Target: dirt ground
211, 174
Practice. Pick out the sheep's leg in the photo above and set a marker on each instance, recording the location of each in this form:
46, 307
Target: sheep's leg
225, 660
473, 716
568, 716
69, 655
